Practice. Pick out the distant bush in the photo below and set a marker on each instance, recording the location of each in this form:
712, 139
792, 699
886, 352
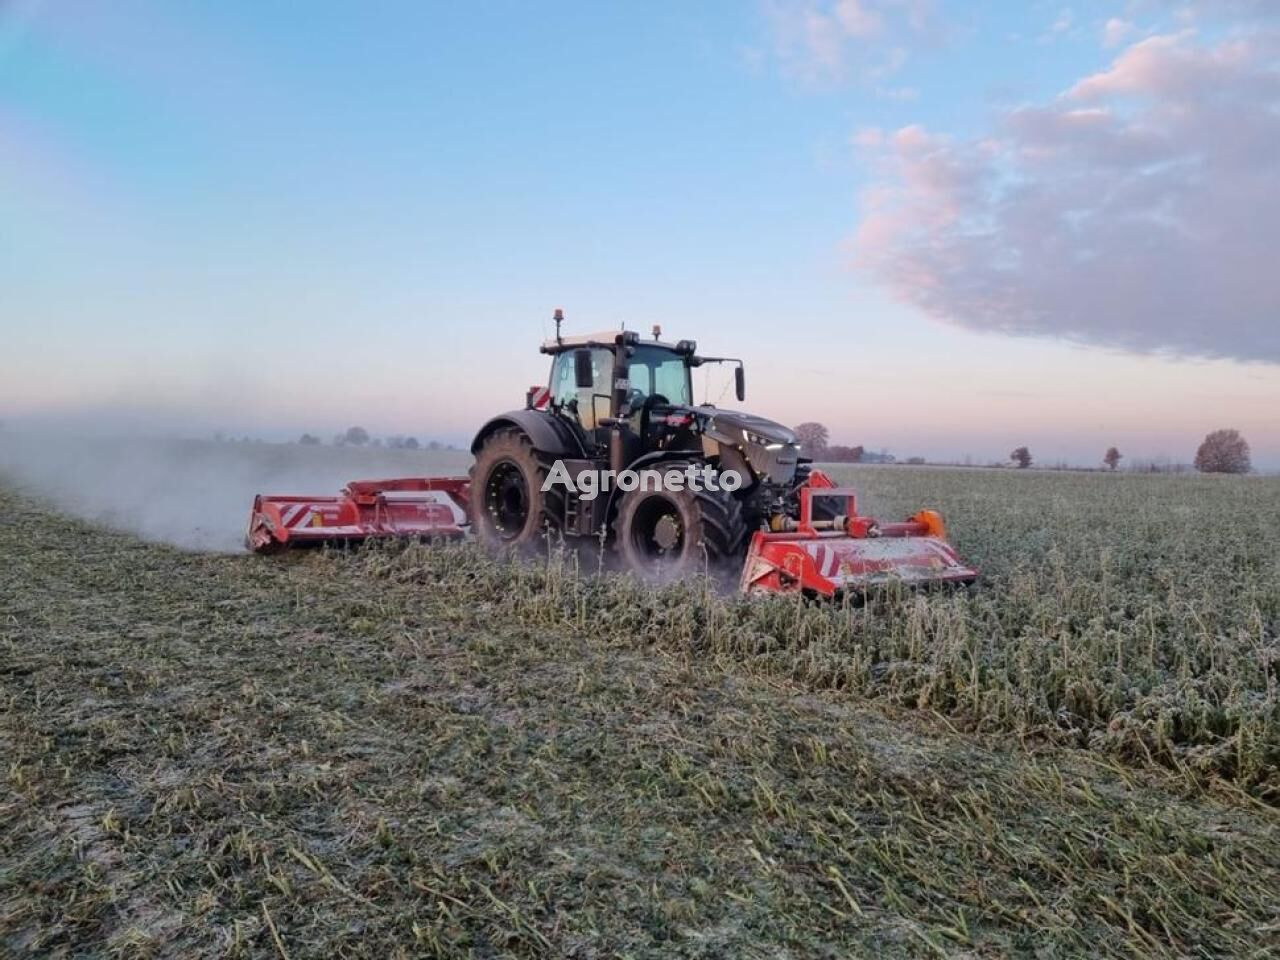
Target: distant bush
354, 436
1223, 451
397, 442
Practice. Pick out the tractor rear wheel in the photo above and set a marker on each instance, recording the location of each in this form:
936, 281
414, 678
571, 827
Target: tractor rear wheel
673, 533
507, 506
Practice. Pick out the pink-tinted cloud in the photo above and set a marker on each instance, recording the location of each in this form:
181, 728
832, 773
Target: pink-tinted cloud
1140, 209
821, 41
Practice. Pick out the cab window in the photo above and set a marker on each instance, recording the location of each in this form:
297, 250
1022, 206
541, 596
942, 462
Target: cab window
654, 371
587, 405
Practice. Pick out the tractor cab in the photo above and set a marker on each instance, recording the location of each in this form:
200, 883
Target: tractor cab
611, 381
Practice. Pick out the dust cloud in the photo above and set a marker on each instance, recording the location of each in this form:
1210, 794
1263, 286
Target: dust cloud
194, 494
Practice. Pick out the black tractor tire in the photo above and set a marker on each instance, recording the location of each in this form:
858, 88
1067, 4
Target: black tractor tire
674, 533
507, 507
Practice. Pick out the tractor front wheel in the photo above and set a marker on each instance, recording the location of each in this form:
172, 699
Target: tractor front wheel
672, 533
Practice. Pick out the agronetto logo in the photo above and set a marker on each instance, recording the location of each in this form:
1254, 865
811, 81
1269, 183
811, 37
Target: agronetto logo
589, 484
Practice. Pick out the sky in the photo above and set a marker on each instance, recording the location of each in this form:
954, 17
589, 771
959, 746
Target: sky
945, 229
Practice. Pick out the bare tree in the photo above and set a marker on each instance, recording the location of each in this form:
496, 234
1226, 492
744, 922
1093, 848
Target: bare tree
813, 438
1022, 457
1223, 451
1112, 458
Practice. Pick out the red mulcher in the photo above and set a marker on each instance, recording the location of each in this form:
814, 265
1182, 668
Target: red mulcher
365, 510
849, 552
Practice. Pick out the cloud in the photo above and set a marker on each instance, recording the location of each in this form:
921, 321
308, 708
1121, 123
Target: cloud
1140, 209
1231, 9
1116, 31
858, 18
1060, 27
824, 41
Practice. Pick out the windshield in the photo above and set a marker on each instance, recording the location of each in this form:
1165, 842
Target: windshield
658, 372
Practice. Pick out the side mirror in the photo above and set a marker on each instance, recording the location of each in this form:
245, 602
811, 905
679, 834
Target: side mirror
583, 377
740, 383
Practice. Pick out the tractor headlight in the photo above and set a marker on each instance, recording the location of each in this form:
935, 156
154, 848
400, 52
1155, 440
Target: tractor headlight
761, 441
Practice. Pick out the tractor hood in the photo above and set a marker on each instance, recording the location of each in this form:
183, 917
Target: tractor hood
733, 426
767, 448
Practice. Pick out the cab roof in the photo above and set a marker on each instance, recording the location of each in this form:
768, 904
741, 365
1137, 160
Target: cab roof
601, 338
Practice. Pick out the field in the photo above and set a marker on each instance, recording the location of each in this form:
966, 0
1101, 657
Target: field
423, 751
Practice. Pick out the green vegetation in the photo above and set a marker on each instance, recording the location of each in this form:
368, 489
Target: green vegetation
1135, 614
423, 751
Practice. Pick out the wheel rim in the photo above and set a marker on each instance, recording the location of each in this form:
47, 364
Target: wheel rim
656, 529
506, 499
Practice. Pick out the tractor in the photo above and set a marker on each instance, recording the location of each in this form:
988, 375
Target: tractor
616, 403
620, 408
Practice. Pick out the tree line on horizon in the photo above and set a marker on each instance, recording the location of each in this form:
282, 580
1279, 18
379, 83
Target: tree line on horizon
352, 437
360, 437
1221, 451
